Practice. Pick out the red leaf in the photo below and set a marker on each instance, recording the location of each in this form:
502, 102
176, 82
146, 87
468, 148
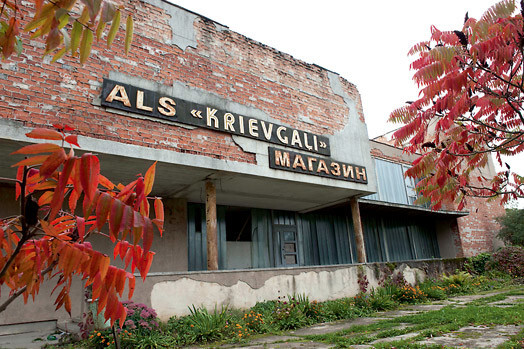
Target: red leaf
52, 162
115, 219
34, 160
131, 285
44, 133
58, 197
38, 148
139, 192
89, 172
89, 205
127, 221
102, 209
145, 264
81, 226
149, 179
159, 215
19, 177
147, 235
72, 139
138, 226
106, 182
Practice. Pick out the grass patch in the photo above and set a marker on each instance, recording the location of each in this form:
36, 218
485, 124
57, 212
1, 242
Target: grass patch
432, 323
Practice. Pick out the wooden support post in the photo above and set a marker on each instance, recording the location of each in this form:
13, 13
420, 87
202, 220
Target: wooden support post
357, 227
211, 226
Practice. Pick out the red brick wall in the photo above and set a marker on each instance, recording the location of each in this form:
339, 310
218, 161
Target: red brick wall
37, 93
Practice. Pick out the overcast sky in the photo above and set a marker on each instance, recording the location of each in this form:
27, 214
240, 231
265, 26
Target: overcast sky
366, 42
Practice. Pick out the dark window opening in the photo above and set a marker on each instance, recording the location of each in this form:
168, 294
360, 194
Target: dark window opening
238, 224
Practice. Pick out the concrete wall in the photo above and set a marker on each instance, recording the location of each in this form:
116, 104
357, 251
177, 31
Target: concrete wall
172, 294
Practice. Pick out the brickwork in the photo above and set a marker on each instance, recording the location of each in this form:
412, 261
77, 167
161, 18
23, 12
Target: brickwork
39, 93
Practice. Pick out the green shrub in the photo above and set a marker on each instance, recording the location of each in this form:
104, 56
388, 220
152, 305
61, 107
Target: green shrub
512, 230
509, 260
477, 264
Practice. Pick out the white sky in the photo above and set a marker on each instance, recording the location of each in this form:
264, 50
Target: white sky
366, 42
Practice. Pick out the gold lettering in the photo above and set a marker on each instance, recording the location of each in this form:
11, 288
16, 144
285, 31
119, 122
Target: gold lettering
229, 120
310, 163
295, 139
140, 101
267, 131
241, 124
315, 143
211, 116
122, 98
253, 127
279, 134
299, 162
347, 171
282, 159
167, 106
361, 172
336, 169
306, 144
322, 166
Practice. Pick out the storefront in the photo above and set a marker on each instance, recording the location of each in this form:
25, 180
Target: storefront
275, 147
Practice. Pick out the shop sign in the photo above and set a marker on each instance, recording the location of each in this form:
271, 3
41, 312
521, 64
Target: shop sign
137, 100
288, 160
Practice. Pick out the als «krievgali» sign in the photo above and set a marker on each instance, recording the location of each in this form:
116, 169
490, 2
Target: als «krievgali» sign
137, 100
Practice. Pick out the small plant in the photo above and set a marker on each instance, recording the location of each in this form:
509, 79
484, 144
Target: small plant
381, 299
460, 279
362, 279
410, 294
254, 322
208, 326
289, 315
139, 318
433, 290
341, 309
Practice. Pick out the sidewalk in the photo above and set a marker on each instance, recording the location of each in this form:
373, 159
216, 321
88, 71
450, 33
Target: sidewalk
466, 337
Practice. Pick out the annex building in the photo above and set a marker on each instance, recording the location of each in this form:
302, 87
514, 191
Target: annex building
277, 147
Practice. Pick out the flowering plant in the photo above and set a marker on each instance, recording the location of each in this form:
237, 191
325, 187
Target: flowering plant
139, 317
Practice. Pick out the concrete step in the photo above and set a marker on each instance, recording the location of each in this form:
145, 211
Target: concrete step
28, 335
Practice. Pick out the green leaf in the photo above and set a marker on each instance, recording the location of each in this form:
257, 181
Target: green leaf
63, 21
59, 54
85, 45
129, 33
76, 33
100, 29
114, 28
44, 14
18, 45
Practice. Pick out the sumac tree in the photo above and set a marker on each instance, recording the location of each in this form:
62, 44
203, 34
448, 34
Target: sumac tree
66, 25
63, 201
470, 106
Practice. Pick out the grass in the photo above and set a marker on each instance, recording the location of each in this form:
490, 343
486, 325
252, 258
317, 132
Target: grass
432, 323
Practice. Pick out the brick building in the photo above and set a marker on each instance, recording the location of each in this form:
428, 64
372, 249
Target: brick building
280, 145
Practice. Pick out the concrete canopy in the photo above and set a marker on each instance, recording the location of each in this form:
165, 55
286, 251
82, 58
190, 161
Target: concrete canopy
183, 175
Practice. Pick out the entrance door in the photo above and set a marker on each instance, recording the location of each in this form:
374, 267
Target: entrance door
285, 232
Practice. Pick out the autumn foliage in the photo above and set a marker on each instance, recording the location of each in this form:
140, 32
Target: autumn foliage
67, 26
63, 201
470, 106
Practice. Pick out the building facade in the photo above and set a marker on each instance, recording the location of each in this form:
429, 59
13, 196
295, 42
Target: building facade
278, 146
